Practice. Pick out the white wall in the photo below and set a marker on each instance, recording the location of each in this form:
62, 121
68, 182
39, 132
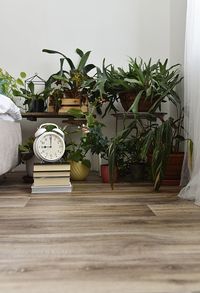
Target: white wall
177, 34
114, 29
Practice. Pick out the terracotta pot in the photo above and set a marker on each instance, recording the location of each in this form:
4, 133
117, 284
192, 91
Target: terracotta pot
173, 169
105, 174
78, 171
127, 99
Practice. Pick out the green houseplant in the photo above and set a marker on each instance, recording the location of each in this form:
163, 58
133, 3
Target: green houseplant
27, 156
36, 101
156, 140
143, 87
9, 85
76, 154
72, 82
151, 84
161, 147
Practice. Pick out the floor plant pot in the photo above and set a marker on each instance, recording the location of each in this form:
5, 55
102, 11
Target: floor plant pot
105, 174
173, 169
78, 171
137, 171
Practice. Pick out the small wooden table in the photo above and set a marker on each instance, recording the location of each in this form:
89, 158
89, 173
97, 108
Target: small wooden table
141, 115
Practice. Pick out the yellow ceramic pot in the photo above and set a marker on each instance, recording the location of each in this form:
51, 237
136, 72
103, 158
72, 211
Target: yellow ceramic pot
78, 171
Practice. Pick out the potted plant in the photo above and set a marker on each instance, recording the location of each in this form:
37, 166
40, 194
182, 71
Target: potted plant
98, 144
76, 154
79, 165
36, 102
9, 85
27, 156
161, 145
73, 80
130, 164
93, 140
143, 87
159, 142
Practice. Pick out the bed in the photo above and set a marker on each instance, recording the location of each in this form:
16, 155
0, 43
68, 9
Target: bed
10, 134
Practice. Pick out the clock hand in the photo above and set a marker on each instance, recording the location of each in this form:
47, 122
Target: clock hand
50, 141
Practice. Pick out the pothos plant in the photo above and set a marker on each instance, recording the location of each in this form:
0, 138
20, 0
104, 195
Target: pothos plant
8, 84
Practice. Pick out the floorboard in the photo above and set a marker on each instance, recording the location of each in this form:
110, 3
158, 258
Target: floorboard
98, 240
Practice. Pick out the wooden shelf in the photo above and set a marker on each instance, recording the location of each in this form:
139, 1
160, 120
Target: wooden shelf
33, 116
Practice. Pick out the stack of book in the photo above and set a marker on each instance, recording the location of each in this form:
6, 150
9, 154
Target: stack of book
51, 178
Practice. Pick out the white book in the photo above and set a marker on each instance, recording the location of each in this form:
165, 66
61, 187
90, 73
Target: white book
51, 189
39, 174
51, 167
48, 181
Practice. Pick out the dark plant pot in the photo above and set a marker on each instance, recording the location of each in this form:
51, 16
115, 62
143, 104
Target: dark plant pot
173, 169
127, 99
137, 171
37, 106
105, 174
26, 155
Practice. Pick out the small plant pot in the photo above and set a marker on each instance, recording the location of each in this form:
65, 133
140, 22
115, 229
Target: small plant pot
78, 171
105, 174
29, 166
137, 171
37, 106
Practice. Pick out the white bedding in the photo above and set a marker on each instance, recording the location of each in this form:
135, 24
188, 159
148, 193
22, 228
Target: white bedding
10, 138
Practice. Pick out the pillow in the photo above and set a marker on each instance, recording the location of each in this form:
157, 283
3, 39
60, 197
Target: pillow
8, 107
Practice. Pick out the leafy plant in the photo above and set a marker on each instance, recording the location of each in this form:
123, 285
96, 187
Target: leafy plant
30, 96
26, 149
156, 138
73, 79
8, 84
155, 82
75, 151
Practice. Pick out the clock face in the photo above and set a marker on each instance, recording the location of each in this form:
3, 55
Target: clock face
50, 147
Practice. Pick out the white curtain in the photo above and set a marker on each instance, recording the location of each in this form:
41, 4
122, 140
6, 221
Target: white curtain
192, 96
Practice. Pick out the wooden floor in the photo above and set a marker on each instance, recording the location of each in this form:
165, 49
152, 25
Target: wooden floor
98, 240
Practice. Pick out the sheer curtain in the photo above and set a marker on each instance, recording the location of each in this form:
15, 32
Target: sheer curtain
192, 96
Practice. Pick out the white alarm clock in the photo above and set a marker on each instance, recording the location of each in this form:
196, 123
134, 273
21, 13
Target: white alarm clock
49, 146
